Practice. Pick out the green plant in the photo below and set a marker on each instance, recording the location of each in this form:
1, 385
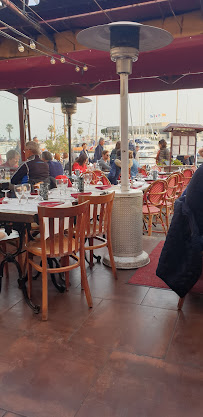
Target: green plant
60, 145
176, 162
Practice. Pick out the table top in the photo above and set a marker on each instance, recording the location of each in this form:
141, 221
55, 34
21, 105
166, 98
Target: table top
15, 212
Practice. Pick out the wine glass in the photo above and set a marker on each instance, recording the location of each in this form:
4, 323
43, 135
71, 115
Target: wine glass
6, 199
99, 181
119, 182
18, 189
26, 190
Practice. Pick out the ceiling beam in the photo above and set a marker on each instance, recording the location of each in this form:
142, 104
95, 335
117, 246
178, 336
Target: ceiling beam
24, 17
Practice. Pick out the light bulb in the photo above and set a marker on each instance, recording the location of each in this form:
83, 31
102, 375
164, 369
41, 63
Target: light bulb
85, 68
32, 44
77, 68
21, 47
52, 60
62, 60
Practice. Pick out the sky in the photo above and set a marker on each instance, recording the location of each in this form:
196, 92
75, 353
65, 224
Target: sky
190, 110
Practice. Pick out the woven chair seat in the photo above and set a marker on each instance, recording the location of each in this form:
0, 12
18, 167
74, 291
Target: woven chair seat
151, 209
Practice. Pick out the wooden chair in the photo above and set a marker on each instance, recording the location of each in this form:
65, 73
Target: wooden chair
99, 225
171, 190
59, 245
187, 174
154, 199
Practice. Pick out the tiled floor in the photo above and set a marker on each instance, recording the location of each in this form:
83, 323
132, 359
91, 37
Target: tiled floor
132, 355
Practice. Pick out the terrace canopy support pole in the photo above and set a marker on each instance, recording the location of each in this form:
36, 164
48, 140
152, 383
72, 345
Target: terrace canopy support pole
69, 124
21, 125
28, 119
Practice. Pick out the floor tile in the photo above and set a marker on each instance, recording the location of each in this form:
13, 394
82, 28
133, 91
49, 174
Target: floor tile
103, 285
187, 343
162, 298
130, 327
132, 385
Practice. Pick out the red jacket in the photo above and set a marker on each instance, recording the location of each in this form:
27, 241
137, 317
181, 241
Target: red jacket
81, 168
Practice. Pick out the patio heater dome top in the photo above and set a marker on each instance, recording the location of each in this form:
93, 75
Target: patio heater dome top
58, 100
124, 34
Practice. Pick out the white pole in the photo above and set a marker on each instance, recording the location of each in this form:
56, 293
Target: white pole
124, 132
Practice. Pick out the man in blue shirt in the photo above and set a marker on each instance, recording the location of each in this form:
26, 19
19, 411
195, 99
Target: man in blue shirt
55, 167
98, 150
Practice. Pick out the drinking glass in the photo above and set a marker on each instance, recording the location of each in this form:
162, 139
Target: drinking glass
119, 182
89, 179
18, 189
6, 199
99, 181
26, 190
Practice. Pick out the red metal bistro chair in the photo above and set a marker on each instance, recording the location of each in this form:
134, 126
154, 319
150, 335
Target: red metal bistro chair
154, 200
103, 177
171, 190
187, 173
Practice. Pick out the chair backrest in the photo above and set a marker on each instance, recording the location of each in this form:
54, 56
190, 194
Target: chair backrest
142, 171
56, 225
156, 167
187, 173
94, 177
155, 193
172, 184
180, 183
100, 220
103, 177
64, 179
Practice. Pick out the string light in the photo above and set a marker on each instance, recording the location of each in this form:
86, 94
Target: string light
52, 60
85, 67
62, 60
21, 47
32, 44
77, 68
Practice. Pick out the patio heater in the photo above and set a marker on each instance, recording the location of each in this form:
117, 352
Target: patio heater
125, 40
68, 107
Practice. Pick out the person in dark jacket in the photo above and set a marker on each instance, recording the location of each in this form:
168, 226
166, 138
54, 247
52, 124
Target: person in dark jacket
113, 152
55, 167
98, 150
33, 170
115, 169
180, 262
194, 197
85, 151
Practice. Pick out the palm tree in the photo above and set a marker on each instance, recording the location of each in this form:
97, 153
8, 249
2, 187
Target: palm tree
9, 129
51, 130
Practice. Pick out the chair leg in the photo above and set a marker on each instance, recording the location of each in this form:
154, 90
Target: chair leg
29, 274
91, 252
44, 290
162, 223
167, 218
65, 262
3, 244
150, 225
84, 281
180, 303
110, 250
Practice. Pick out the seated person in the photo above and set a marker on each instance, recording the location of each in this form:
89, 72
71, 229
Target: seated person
134, 165
12, 160
113, 152
33, 170
65, 159
80, 163
57, 156
55, 167
132, 148
115, 169
104, 162
194, 197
